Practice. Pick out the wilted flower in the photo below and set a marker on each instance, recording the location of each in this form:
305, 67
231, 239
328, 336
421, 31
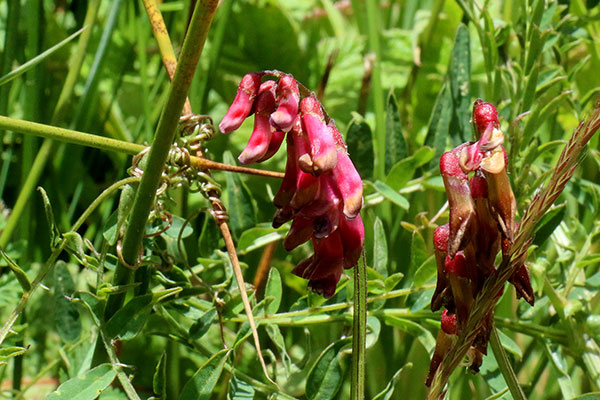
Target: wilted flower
482, 222
321, 192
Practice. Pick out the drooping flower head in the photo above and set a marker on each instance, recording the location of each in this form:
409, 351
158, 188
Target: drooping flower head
321, 192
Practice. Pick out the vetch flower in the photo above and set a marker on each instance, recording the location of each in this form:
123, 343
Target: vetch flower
481, 225
321, 192
242, 104
462, 209
323, 151
288, 98
263, 131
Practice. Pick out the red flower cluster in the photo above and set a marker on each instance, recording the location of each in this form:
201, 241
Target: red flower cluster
321, 191
482, 223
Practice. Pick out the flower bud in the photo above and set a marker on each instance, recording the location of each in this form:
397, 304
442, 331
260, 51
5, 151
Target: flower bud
484, 114
288, 97
347, 177
352, 232
462, 209
442, 289
242, 104
260, 139
324, 154
522, 283
302, 147
449, 323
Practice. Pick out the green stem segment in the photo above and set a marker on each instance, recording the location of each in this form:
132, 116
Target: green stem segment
359, 331
373, 26
159, 151
504, 364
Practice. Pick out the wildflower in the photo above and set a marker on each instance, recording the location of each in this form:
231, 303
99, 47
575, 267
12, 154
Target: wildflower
260, 139
288, 97
323, 151
481, 224
321, 192
242, 105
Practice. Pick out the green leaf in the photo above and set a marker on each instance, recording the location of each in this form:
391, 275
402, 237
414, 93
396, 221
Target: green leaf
509, 344
460, 86
404, 170
54, 232
418, 253
391, 195
201, 384
175, 228
239, 201
129, 320
200, 327
548, 223
388, 391
208, 240
395, 144
277, 338
274, 290
439, 124
257, 237
159, 379
325, 377
380, 248
66, 318
360, 148
87, 386
38, 59
425, 272
423, 335
19, 273
588, 396
240, 390
10, 352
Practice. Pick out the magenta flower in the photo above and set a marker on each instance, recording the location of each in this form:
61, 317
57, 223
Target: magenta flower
321, 192
288, 98
324, 154
260, 139
242, 105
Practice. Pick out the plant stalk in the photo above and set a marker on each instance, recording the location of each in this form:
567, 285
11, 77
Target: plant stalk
159, 151
359, 331
104, 143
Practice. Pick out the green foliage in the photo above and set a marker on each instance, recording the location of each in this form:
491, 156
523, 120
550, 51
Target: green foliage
182, 331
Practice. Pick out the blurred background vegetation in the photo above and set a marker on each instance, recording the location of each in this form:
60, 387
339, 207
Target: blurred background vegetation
399, 78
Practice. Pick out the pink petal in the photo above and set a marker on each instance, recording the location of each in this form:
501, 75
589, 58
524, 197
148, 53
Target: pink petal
242, 104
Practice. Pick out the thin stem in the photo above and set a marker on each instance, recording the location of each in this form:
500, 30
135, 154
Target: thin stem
164, 44
242, 286
373, 27
504, 364
104, 143
159, 151
359, 331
